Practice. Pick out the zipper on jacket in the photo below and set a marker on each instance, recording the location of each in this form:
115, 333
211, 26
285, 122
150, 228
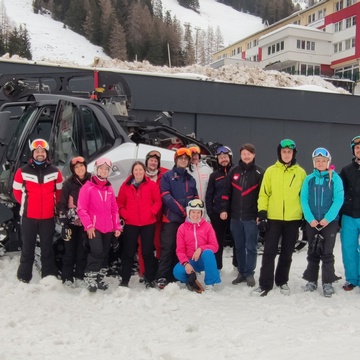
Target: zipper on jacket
292, 180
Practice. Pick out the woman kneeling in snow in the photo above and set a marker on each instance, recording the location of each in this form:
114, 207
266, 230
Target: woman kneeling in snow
195, 247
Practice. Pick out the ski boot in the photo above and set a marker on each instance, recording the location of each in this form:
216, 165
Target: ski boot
101, 284
91, 281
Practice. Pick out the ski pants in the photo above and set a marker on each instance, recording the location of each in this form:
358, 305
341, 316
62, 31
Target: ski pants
245, 234
168, 257
350, 247
74, 260
326, 254
130, 240
30, 228
220, 226
206, 262
288, 232
97, 258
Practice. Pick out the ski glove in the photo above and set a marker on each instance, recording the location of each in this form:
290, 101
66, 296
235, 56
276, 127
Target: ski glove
263, 225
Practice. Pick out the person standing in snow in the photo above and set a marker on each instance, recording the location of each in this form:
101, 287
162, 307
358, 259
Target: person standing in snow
280, 216
195, 247
37, 188
213, 199
154, 172
177, 188
350, 218
322, 195
74, 260
200, 171
240, 194
139, 203
99, 215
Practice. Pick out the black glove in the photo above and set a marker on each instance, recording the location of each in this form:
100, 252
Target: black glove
263, 225
66, 233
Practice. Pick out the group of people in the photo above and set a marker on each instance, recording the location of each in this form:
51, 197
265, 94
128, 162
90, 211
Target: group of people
176, 220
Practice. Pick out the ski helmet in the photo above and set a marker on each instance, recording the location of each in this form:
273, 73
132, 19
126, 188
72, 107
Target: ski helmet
153, 154
182, 151
195, 204
194, 149
102, 161
354, 141
223, 150
286, 143
39, 143
76, 160
321, 152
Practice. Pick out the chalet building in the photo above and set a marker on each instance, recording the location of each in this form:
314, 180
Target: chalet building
323, 39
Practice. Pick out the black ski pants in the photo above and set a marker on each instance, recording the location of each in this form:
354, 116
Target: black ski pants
97, 258
220, 226
130, 241
168, 258
30, 228
74, 259
325, 254
288, 232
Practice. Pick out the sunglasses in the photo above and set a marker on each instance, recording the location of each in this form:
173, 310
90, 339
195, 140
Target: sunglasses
183, 151
78, 159
196, 203
321, 152
39, 143
194, 149
287, 143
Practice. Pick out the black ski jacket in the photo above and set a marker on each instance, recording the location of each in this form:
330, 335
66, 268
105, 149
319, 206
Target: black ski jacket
350, 175
241, 190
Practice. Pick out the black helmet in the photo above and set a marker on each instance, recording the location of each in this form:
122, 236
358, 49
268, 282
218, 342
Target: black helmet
287, 143
76, 160
153, 154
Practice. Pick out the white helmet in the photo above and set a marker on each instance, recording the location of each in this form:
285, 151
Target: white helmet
321, 152
195, 204
102, 161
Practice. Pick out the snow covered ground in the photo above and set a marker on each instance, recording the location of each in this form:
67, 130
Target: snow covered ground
44, 320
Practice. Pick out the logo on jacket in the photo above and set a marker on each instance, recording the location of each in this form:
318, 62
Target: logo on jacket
236, 176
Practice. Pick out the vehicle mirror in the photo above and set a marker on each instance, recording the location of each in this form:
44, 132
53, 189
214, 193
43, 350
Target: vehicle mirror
4, 126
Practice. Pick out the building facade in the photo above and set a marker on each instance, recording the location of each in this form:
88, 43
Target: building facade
320, 40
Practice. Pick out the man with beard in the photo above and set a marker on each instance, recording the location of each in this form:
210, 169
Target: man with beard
37, 188
213, 199
240, 196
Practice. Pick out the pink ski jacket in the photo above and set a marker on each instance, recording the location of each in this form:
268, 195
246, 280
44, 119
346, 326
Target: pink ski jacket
192, 236
97, 207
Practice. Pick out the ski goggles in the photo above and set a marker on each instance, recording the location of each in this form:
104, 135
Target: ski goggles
194, 149
182, 151
355, 141
287, 143
222, 150
197, 203
103, 161
154, 153
321, 152
39, 143
78, 159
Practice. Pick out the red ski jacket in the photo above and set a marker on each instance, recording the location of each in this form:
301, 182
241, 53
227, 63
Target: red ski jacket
139, 206
37, 188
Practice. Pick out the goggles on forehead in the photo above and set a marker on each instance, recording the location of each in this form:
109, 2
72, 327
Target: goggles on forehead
196, 203
78, 159
222, 150
355, 141
194, 149
183, 151
321, 152
39, 143
287, 143
154, 153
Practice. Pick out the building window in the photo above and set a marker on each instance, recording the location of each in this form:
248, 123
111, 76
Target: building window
305, 45
338, 26
248, 45
350, 2
282, 46
339, 5
269, 50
